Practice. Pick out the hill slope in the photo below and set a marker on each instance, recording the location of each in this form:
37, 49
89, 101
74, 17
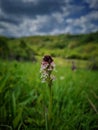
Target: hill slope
84, 46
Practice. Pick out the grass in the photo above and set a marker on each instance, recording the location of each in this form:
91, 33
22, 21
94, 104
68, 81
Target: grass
24, 99
81, 46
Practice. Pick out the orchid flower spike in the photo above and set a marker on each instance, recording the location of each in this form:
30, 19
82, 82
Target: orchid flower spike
47, 66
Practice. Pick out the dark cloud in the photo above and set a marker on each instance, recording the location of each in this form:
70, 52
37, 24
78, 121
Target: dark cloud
33, 17
9, 20
29, 9
2, 27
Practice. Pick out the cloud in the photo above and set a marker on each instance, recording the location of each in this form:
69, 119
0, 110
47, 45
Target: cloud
33, 1
93, 15
84, 24
30, 9
39, 17
92, 3
27, 27
58, 17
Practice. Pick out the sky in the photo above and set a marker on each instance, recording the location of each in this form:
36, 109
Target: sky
47, 17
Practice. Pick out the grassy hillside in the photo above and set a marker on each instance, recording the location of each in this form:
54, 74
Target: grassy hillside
84, 46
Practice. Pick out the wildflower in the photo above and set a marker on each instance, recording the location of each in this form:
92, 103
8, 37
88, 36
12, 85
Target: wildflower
47, 66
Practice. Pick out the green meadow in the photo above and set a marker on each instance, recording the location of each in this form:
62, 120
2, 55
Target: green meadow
24, 99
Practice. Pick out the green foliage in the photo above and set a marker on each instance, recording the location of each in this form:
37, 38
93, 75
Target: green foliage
93, 63
82, 46
24, 99
4, 49
92, 37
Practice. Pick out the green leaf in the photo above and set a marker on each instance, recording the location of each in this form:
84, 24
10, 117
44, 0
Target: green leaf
18, 118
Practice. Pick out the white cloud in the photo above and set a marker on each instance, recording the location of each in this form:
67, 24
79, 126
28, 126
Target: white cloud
67, 29
66, 11
58, 16
68, 1
27, 27
32, 26
93, 15
92, 3
45, 24
72, 8
57, 31
84, 22
12, 29
33, 1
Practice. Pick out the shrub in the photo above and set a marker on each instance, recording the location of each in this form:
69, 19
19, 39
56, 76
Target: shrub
93, 63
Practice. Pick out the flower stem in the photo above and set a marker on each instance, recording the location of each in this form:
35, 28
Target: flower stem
50, 105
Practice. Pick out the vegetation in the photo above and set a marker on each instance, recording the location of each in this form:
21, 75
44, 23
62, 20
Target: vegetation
66, 46
24, 99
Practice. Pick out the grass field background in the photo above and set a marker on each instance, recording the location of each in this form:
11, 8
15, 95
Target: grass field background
24, 98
